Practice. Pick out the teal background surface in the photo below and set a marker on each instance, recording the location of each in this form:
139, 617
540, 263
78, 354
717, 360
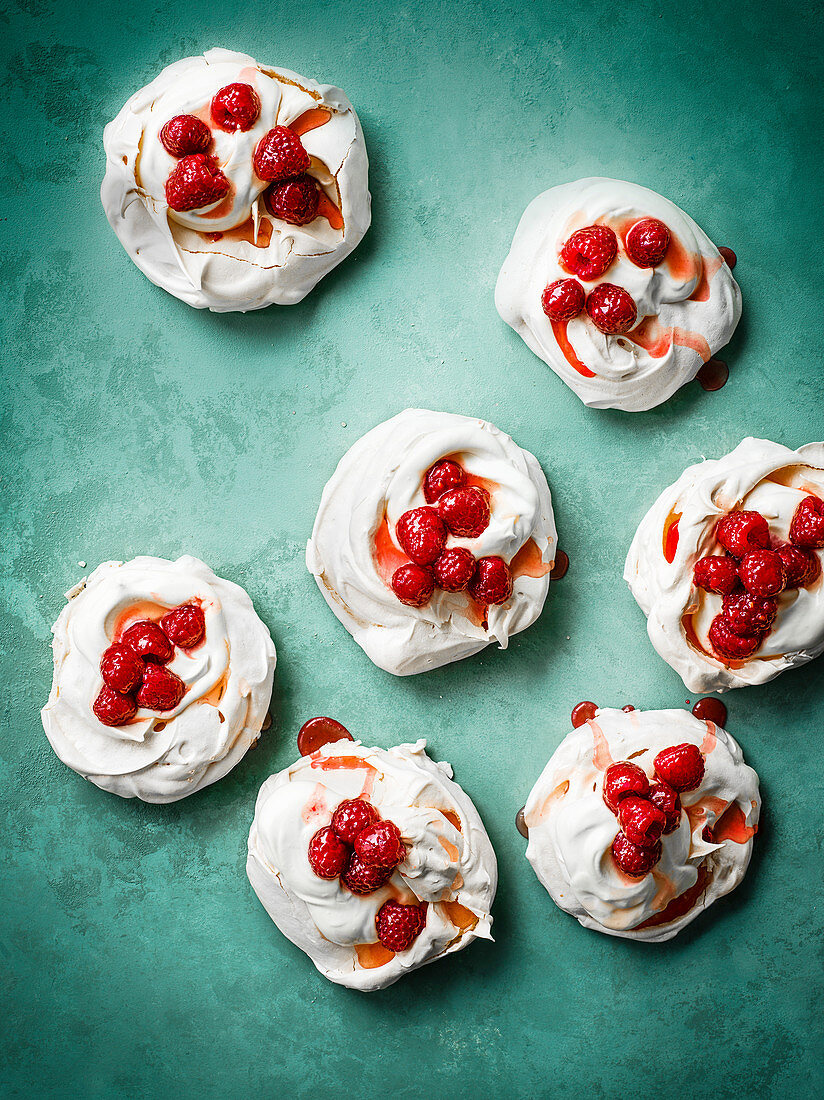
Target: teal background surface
136, 961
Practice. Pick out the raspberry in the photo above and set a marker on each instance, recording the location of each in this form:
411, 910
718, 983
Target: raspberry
748, 615
465, 511
454, 569
235, 107
801, 566
121, 668
563, 299
399, 925
716, 574
295, 201
623, 779
113, 709
185, 625
161, 688
148, 640
647, 242
280, 155
361, 878
741, 532
413, 585
195, 182
380, 845
328, 855
611, 309
351, 817
733, 647
632, 858
185, 134
762, 573
681, 766
666, 799
641, 822
421, 534
589, 252
807, 527
492, 583
440, 478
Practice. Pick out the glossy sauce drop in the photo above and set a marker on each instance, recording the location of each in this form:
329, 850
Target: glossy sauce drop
711, 710
372, 955
713, 375
730, 258
317, 732
627, 708
520, 823
559, 569
583, 712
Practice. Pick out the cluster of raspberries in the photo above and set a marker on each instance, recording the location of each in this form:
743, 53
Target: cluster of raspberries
363, 849
755, 569
133, 668
453, 508
279, 158
589, 253
647, 811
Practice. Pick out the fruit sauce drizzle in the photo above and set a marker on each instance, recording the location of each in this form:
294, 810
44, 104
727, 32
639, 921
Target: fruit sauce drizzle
589, 253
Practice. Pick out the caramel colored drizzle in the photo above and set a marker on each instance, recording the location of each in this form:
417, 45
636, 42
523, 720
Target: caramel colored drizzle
670, 536
459, 915
310, 120
372, 955
528, 562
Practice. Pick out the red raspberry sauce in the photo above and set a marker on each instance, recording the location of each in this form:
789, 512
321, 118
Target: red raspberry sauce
711, 710
317, 732
583, 712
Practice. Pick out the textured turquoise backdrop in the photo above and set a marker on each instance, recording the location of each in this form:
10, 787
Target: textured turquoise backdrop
136, 962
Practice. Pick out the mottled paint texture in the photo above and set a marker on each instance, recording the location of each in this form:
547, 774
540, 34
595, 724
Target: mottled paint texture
135, 959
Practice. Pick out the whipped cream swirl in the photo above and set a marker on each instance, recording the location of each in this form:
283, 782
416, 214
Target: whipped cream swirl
571, 828
228, 678
450, 863
257, 259
379, 479
679, 529
691, 300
